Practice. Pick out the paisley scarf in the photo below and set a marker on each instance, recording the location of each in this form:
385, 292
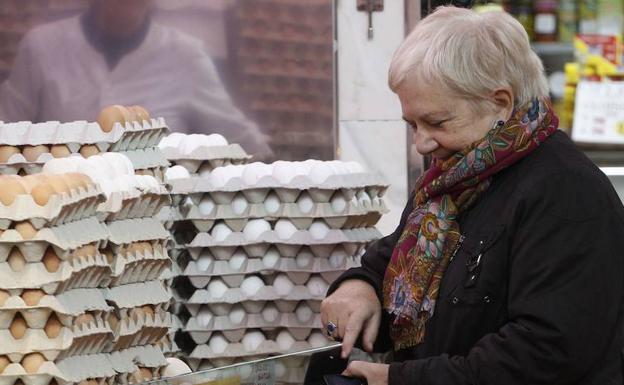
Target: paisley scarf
431, 234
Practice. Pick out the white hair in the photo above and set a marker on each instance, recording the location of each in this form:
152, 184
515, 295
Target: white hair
471, 54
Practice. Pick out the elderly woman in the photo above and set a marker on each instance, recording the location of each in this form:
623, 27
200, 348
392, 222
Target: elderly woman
507, 265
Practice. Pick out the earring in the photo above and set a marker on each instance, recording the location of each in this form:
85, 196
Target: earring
499, 124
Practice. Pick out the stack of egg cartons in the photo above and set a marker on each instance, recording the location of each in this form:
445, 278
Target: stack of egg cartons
139, 290
53, 314
267, 241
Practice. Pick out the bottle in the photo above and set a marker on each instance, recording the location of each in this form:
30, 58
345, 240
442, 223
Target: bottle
545, 20
567, 20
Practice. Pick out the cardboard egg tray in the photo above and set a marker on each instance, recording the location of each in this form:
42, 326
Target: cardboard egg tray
148, 159
140, 266
206, 158
64, 239
133, 204
223, 309
123, 137
235, 280
60, 209
127, 361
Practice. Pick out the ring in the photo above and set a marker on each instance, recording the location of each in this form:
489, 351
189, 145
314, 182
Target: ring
331, 328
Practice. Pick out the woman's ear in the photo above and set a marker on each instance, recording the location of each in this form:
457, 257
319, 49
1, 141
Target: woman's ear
504, 99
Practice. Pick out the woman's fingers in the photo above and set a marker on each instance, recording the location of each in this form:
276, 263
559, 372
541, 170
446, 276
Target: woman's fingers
371, 328
352, 330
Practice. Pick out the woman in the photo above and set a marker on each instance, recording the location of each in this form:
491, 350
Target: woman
506, 267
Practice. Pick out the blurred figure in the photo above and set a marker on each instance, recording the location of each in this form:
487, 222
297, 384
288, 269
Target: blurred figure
115, 54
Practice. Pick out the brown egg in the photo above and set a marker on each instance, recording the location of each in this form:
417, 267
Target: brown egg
88, 150
146, 374
32, 296
51, 261
32, 153
111, 115
84, 319
30, 181
16, 260
60, 151
113, 321
140, 112
58, 183
26, 229
4, 362
6, 152
18, 327
53, 327
4, 295
9, 189
41, 193
32, 362
108, 253
85, 251
87, 382
148, 310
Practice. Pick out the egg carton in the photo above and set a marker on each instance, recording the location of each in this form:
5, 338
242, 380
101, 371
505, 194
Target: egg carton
349, 184
64, 239
287, 370
146, 158
127, 361
127, 231
84, 272
235, 280
138, 294
141, 328
122, 137
133, 204
156, 172
141, 266
266, 293
224, 309
60, 209
89, 338
204, 157
257, 247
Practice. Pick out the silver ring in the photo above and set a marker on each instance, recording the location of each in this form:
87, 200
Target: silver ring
331, 328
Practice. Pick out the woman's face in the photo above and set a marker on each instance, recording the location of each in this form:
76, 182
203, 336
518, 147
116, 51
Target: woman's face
444, 123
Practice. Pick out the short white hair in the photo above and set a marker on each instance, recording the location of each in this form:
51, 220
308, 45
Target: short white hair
471, 54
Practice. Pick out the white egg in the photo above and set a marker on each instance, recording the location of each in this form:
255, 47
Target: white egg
221, 309
320, 172
220, 176
206, 205
189, 143
307, 165
305, 203
120, 163
245, 372
237, 314
317, 339
238, 260
280, 370
255, 228
272, 203
283, 285
217, 140
217, 288
285, 340
176, 172
338, 202
354, 167
107, 187
84, 168
218, 343
271, 259
304, 258
59, 166
364, 198
270, 313
220, 232
204, 316
203, 140
205, 169
319, 229
175, 367
172, 140
251, 285
285, 228
338, 257
284, 171
304, 313
253, 172
205, 260
317, 286
239, 204
102, 165
252, 340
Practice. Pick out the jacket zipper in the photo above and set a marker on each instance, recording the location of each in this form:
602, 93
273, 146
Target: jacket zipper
458, 245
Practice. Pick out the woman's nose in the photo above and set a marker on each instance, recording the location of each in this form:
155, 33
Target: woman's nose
425, 144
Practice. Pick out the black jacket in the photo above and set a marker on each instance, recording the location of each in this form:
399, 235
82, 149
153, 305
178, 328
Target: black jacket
535, 293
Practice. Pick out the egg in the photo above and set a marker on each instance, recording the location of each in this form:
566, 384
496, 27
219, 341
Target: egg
320, 172
272, 203
252, 340
142, 374
4, 362
284, 171
41, 193
32, 362
238, 260
205, 169
140, 112
6, 152
53, 327
317, 286
317, 339
217, 288
83, 319
364, 198
218, 343
58, 184
175, 367
88, 150
32, 296
205, 260
26, 229
285, 229
32, 153
304, 258
280, 370
304, 313
305, 203
60, 166
4, 295
338, 202
271, 259
172, 140
206, 205
113, 320
251, 285
148, 310
239, 204
118, 163
111, 115
253, 172
60, 151
270, 313
285, 340
18, 327
283, 285
217, 140
176, 172
220, 176
255, 228
237, 314
16, 260
220, 232
85, 251
319, 229
204, 317
10, 188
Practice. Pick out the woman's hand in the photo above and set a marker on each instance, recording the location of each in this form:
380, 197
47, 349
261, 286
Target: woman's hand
375, 374
354, 308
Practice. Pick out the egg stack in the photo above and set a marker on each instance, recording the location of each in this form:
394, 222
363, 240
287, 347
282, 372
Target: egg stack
139, 286
52, 310
262, 243
26, 146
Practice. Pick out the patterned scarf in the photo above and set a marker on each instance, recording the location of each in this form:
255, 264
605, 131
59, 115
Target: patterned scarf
432, 233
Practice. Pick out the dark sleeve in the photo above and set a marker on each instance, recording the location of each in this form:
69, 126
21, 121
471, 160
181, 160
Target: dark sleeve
565, 293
